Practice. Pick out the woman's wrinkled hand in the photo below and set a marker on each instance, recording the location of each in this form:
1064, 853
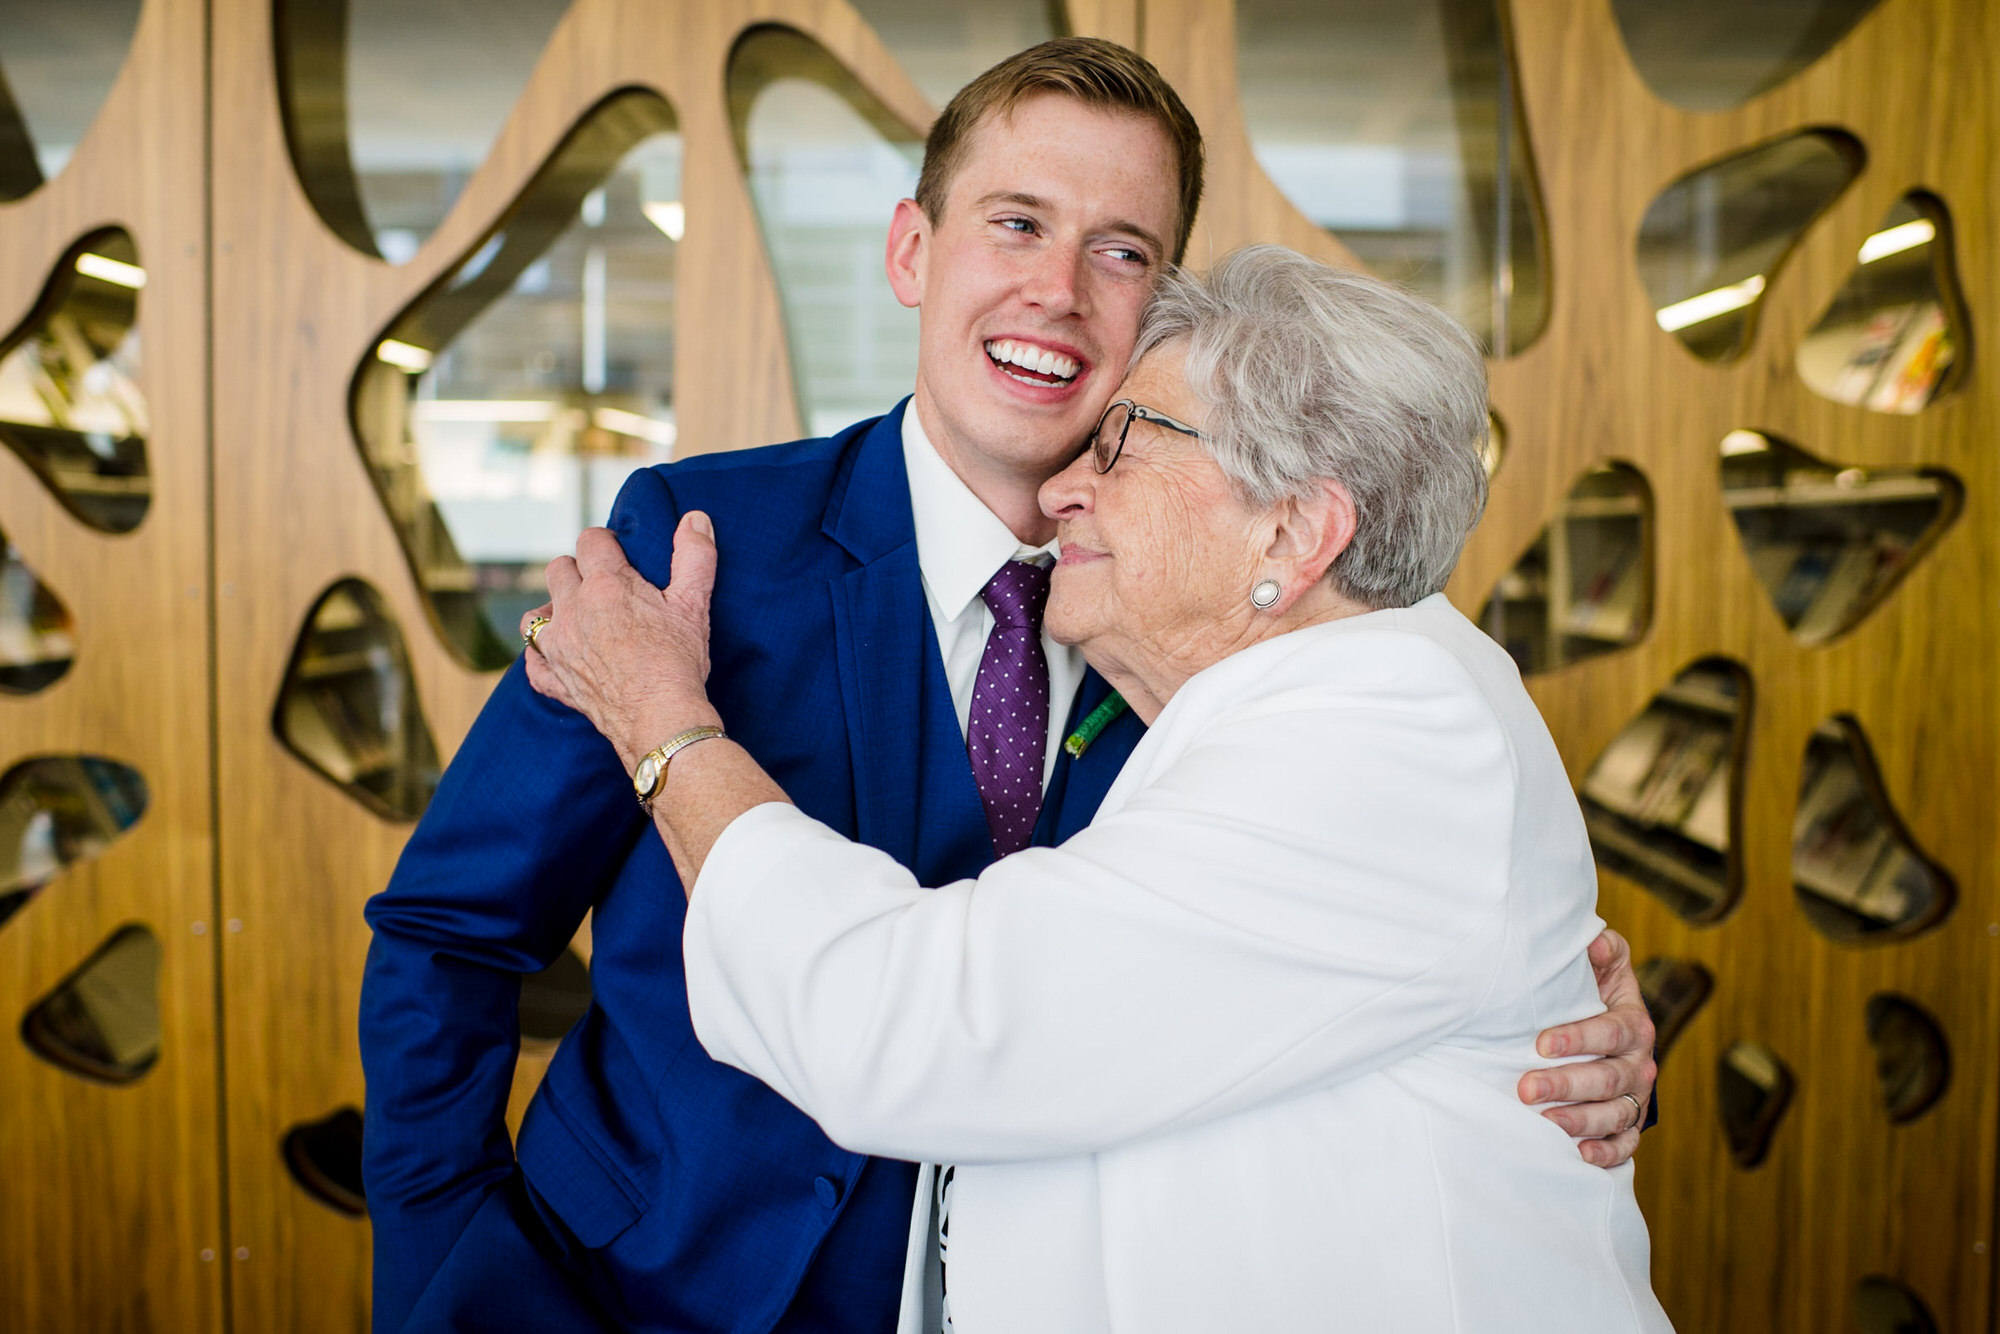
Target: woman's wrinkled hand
630, 657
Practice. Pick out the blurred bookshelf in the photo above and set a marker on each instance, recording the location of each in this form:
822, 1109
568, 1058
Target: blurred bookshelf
1585, 586
1858, 876
36, 643
1661, 801
349, 705
57, 811
1828, 542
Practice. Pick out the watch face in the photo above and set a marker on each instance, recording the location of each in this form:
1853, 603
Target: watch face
647, 777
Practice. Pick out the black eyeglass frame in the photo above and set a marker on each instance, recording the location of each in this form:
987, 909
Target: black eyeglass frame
1134, 412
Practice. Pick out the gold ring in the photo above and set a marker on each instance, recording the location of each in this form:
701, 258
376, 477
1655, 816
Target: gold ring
534, 628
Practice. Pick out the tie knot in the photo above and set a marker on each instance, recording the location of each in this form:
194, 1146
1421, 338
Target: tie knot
1017, 595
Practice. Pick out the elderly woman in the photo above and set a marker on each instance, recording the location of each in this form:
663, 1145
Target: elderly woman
1242, 1054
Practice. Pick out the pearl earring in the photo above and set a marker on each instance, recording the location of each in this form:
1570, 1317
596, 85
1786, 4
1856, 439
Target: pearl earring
1264, 594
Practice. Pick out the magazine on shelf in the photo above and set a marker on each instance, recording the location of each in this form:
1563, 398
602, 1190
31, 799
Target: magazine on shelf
1838, 835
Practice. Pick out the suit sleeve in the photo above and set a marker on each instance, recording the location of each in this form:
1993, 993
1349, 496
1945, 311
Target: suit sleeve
528, 828
1313, 890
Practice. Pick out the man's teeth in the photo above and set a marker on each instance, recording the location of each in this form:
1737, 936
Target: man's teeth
1028, 357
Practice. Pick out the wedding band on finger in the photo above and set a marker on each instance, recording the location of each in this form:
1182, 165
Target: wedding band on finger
535, 628
1638, 1112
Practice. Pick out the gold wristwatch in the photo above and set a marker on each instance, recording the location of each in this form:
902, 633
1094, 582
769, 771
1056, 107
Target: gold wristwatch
651, 775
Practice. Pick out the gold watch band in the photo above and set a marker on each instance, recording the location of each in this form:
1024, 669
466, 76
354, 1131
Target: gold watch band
651, 775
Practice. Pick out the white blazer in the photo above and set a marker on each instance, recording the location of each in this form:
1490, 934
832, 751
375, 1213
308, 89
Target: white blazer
1243, 1053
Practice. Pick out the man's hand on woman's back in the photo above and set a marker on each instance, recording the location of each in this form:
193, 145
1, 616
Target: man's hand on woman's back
1605, 1098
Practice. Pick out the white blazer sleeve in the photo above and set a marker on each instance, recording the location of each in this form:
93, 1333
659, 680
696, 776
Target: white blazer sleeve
1310, 888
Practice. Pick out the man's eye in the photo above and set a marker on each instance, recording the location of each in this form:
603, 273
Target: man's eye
1024, 226
1127, 254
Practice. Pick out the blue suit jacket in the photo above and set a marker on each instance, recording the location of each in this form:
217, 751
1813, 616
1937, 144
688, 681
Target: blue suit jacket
692, 1196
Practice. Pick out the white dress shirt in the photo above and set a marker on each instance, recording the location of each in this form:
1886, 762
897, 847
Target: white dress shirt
1242, 1054
960, 544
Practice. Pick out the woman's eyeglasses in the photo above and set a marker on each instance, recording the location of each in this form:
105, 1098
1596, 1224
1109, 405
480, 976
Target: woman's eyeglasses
1109, 441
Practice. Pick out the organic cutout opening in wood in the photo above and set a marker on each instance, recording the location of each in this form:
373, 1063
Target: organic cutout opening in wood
825, 162
501, 411
52, 82
1858, 875
1494, 452
1674, 990
1884, 1306
1754, 1087
1715, 239
389, 108
1398, 129
103, 1021
1829, 543
36, 643
57, 811
1710, 55
1912, 1058
555, 998
1663, 801
349, 705
1890, 341
1585, 586
324, 1158
70, 404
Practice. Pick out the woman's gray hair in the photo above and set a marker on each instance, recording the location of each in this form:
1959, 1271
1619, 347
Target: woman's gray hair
1312, 373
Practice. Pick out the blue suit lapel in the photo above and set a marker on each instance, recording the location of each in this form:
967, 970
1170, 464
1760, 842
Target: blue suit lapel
913, 791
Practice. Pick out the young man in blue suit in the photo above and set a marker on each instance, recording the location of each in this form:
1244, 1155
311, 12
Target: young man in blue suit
652, 1188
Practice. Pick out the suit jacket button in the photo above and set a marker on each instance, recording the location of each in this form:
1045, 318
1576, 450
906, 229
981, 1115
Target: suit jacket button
828, 1191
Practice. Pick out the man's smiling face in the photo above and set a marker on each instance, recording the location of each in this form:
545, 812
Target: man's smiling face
1032, 281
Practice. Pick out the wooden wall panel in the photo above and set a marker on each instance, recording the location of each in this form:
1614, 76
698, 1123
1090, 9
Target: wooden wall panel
298, 309
115, 1195
110, 1212
1843, 1194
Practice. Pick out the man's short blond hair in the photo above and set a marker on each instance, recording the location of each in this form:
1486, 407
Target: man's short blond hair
1096, 73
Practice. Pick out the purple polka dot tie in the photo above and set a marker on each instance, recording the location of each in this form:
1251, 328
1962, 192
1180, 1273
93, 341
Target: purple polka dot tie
1007, 731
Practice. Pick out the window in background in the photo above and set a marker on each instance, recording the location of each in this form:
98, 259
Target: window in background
1889, 342
1585, 587
349, 705
1709, 55
502, 411
1830, 543
826, 163
1395, 126
389, 107
1663, 801
57, 811
57, 65
944, 47
36, 647
1710, 243
103, 1021
1858, 875
70, 404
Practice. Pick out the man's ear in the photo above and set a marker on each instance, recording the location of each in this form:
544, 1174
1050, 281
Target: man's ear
908, 251
1310, 533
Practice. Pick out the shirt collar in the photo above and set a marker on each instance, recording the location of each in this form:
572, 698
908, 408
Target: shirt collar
960, 543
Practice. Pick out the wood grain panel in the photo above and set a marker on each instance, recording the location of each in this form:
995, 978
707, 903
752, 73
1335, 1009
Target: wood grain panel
112, 1194
297, 310
1844, 1193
